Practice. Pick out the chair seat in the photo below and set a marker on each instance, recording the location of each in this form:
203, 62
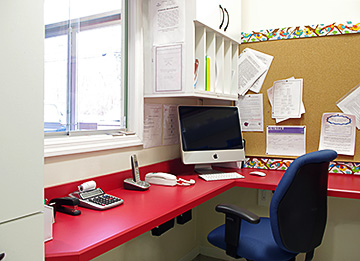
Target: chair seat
256, 242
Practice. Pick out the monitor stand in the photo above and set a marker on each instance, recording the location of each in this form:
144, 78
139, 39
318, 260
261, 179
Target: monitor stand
206, 169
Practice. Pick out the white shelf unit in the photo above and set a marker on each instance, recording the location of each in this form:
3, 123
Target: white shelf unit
200, 41
223, 53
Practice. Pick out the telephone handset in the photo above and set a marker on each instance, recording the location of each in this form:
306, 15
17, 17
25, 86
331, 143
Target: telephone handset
95, 198
135, 168
166, 179
135, 183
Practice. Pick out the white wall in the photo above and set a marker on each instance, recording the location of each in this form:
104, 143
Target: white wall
265, 14
21, 133
21, 106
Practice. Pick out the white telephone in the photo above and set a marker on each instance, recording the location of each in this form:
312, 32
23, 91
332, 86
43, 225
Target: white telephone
166, 179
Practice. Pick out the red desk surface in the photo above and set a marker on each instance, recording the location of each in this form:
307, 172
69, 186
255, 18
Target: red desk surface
344, 186
96, 232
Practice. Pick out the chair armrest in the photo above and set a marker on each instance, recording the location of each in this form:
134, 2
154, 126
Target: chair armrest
233, 217
242, 213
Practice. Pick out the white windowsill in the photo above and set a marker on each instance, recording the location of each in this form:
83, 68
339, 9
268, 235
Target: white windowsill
80, 144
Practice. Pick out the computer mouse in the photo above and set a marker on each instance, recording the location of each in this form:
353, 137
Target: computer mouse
258, 173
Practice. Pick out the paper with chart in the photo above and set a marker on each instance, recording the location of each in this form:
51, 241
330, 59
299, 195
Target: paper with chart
250, 68
251, 112
170, 125
350, 104
152, 125
338, 132
271, 97
286, 140
287, 98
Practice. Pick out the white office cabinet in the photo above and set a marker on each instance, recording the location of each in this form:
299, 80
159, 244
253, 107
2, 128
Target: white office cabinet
223, 15
21, 142
21, 240
199, 40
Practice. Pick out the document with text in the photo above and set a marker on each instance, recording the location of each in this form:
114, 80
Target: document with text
250, 68
170, 125
251, 112
286, 140
152, 125
168, 21
287, 98
168, 68
350, 104
271, 98
266, 60
338, 132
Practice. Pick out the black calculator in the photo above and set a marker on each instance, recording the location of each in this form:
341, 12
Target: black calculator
97, 199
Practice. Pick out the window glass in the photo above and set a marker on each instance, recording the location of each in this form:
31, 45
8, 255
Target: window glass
99, 71
83, 66
55, 80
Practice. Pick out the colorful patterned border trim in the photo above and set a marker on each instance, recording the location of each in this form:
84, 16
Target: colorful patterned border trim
300, 32
351, 168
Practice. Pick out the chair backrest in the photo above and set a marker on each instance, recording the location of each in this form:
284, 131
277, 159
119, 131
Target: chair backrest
298, 210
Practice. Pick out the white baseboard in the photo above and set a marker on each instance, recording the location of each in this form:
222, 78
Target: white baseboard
191, 255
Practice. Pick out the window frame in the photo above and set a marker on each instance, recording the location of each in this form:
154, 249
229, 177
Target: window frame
70, 29
133, 55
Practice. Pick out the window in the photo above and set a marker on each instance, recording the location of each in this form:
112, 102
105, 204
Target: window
83, 66
85, 76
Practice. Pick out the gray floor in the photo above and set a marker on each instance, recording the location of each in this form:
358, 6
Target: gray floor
206, 258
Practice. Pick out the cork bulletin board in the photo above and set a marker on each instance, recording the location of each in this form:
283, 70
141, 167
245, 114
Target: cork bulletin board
329, 67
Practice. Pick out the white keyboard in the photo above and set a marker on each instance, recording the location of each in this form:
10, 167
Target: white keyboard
221, 176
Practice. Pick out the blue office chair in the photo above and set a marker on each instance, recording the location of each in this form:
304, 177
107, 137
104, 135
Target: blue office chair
297, 221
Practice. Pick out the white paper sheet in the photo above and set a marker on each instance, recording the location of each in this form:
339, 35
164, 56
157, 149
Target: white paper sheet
168, 21
170, 125
266, 60
168, 68
350, 104
338, 132
152, 125
271, 98
287, 98
286, 140
251, 112
250, 68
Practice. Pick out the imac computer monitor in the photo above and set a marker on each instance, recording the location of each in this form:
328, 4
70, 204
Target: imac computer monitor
210, 135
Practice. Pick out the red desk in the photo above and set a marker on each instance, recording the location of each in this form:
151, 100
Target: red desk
96, 232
